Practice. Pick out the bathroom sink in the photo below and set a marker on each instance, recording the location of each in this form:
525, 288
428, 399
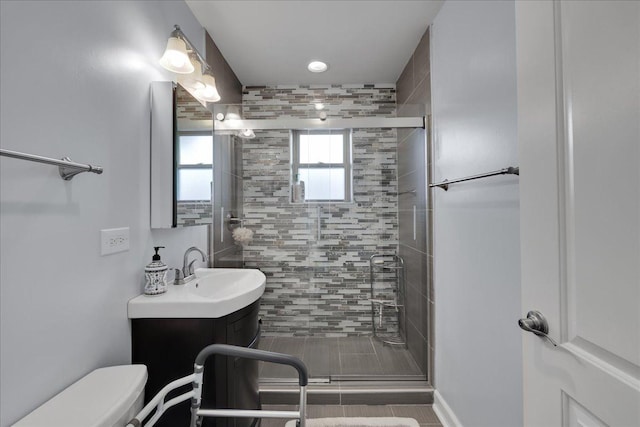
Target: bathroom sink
215, 292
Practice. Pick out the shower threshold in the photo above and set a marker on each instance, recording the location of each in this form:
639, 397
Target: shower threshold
349, 393
292, 380
344, 377
351, 377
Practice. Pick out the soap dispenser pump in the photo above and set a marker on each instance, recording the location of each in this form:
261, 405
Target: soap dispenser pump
155, 274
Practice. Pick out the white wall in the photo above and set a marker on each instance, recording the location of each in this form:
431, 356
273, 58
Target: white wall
75, 81
478, 365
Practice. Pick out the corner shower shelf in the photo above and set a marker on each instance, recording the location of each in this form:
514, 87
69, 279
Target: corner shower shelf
381, 262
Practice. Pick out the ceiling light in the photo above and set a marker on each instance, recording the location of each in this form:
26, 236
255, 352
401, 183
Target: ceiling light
317, 67
220, 116
319, 106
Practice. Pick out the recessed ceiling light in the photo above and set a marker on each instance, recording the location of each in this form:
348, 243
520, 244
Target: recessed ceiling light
317, 67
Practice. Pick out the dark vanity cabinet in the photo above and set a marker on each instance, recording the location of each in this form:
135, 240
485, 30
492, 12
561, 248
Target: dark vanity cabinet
168, 347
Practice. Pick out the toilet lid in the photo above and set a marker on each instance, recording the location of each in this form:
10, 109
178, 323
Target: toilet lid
96, 400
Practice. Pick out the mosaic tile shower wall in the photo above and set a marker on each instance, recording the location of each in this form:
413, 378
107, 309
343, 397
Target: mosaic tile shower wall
196, 212
316, 255
189, 110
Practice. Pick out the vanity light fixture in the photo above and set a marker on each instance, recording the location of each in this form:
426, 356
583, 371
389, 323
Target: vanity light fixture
175, 58
182, 58
317, 67
193, 81
209, 92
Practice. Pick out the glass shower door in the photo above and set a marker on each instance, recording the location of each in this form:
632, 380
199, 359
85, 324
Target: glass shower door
315, 250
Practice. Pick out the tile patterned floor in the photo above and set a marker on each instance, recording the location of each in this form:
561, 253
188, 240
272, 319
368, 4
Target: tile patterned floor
422, 413
333, 356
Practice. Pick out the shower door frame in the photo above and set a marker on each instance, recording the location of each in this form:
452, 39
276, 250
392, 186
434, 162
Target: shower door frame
231, 126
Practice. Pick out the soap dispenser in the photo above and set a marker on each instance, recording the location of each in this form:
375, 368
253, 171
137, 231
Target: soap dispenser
155, 274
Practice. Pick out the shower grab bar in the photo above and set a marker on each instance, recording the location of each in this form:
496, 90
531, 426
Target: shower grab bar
511, 170
68, 169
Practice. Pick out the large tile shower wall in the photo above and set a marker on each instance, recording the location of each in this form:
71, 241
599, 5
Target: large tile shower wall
414, 89
414, 164
316, 255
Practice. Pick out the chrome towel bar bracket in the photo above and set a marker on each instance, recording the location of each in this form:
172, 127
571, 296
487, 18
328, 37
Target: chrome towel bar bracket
68, 169
511, 170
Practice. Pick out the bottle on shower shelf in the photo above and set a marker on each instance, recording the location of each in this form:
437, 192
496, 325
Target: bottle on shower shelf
297, 190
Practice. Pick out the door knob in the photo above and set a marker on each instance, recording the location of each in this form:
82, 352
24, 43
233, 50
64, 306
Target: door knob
536, 323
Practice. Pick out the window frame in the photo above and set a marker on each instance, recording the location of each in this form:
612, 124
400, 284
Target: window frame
346, 164
179, 166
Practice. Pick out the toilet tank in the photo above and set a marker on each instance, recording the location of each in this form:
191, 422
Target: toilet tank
107, 397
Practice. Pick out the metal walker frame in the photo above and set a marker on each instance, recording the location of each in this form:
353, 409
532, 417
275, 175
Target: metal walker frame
196, 379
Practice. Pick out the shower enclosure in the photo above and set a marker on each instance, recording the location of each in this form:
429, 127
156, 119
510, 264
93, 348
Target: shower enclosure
331, 177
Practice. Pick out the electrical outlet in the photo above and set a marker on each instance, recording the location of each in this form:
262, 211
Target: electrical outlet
114, 240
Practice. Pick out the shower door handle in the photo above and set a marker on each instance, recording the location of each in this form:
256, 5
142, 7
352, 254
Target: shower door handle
535, 322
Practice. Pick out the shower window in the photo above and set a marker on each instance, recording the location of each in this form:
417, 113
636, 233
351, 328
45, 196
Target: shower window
322, 160
195, 166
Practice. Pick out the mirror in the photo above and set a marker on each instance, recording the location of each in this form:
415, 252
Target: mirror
181, 158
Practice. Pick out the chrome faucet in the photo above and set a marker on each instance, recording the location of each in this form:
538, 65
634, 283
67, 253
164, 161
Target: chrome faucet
186, 274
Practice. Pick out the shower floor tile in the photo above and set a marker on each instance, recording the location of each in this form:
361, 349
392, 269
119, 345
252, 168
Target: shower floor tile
352, 345
395, 361
322, 355
360, 364
325, 357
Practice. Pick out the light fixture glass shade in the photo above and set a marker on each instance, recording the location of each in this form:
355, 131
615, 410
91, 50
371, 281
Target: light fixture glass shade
209, 93
176, 58
233, 113
246, 134
193, 81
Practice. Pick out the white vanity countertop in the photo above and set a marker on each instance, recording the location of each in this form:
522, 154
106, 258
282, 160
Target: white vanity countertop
215, 292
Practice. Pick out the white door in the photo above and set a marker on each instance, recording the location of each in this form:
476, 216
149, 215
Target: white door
579, 138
